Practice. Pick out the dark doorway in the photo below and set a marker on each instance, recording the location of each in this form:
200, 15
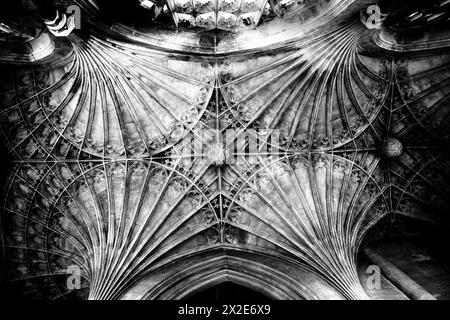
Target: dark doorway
227, 292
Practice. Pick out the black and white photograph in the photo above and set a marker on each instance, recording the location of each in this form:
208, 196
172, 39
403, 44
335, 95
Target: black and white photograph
224, 154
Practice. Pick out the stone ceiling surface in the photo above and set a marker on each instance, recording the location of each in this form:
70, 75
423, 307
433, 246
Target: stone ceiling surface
97, 177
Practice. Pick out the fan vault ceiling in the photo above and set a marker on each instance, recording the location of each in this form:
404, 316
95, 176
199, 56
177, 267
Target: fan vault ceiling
93, 129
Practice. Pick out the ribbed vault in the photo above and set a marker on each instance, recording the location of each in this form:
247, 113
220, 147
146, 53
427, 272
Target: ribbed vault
98, 179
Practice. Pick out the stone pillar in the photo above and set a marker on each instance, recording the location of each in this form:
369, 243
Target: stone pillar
407, 285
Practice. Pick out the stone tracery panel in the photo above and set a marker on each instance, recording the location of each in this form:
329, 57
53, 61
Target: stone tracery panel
96, 180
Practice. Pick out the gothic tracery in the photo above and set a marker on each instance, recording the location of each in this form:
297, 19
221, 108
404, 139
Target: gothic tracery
97, 179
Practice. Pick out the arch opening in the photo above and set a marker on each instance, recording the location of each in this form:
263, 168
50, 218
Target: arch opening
226, 292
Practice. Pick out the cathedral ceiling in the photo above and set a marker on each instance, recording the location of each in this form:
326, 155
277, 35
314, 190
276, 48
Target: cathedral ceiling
96, 134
